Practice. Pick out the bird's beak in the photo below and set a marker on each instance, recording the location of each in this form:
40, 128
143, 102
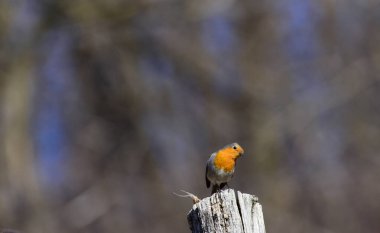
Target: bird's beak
241, 152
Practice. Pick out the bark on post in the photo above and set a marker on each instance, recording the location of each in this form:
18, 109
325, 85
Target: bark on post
226, 212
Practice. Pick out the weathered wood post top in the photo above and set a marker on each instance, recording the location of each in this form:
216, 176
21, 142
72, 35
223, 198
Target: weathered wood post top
226, 212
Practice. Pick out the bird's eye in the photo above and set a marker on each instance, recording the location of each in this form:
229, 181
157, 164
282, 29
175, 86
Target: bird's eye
234, 147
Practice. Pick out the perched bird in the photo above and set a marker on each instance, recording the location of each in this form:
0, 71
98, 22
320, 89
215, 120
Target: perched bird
221, 166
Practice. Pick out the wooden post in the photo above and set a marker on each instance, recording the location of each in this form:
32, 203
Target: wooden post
224, 212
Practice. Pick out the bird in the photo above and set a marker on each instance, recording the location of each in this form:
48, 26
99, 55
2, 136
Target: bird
221, 166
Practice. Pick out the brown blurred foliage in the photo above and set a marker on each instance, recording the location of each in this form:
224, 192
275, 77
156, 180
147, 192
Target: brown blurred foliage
107, 107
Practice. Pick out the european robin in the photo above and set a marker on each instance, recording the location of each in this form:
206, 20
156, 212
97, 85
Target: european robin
221, 166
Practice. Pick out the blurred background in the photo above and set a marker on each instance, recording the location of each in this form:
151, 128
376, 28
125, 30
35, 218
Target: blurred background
107, 107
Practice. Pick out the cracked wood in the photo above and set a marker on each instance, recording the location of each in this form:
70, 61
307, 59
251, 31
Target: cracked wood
226, 212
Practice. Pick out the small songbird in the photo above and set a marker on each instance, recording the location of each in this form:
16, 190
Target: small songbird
221, 166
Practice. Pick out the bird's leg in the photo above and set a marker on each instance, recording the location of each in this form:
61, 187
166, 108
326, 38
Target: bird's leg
222, 185
215, 188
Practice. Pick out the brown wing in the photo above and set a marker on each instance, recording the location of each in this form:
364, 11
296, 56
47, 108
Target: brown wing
207, 180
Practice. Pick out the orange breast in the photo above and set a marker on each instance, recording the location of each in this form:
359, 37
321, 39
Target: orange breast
225, 160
